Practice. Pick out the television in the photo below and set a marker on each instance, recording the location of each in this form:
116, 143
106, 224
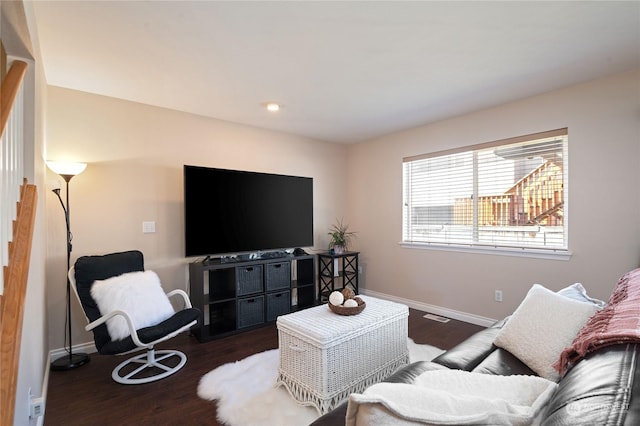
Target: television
228, 212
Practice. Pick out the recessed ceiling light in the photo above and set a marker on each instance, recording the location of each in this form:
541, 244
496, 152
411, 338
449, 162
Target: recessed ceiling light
272, 106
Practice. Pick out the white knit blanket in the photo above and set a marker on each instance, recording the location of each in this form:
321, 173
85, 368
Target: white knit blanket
452, 397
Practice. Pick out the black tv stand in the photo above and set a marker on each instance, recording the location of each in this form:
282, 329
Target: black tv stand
242, 294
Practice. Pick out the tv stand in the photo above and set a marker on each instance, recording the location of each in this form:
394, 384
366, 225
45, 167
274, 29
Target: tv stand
242, 294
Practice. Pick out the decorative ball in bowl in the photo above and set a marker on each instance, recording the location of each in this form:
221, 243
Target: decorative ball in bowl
348, 304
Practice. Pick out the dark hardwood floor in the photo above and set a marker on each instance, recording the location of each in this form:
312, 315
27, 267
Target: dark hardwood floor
88, 395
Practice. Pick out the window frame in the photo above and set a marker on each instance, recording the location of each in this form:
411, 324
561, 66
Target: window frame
471, 246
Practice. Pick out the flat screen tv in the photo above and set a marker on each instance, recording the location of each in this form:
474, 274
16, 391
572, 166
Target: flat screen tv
231, 211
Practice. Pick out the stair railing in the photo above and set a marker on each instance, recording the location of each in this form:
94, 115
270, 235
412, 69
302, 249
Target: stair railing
17, 214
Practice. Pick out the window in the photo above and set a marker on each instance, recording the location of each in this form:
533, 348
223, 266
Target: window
509, 194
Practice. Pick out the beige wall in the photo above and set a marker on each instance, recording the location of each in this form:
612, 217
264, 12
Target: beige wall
135, 155
604, 224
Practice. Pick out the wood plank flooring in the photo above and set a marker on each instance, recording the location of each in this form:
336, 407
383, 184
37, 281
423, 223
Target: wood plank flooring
88, 395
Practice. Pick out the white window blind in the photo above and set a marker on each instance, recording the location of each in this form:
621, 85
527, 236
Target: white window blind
505, 194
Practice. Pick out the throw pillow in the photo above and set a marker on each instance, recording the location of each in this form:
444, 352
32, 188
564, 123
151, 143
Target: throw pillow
139, 294
541, 327
578, 292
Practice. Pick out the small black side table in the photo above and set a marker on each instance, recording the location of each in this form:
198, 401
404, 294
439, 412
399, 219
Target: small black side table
335, 272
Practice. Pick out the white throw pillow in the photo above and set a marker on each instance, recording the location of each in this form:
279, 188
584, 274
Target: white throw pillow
139, 294
578, 292
541, 327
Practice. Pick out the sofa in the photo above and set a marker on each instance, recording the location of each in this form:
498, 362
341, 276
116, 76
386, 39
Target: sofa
599, 383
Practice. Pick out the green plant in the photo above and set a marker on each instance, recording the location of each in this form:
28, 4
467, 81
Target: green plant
340, 235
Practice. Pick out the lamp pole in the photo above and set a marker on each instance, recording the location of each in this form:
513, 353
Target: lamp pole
71, 360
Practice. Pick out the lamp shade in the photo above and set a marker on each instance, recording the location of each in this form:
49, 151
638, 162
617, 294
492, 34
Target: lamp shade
66, 169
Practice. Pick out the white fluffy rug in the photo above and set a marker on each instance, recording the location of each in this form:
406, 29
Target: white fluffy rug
246, 394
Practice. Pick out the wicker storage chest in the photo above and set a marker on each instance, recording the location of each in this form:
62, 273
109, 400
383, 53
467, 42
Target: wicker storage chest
324, 357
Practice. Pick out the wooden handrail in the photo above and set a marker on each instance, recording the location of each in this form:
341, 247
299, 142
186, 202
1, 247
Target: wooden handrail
12, 301
9, 91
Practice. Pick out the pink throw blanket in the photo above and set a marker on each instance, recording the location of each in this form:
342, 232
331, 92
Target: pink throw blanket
617, 322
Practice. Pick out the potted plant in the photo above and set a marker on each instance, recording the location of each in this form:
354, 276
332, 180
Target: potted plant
340, 237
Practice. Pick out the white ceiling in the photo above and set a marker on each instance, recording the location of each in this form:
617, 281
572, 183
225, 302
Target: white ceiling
345, 71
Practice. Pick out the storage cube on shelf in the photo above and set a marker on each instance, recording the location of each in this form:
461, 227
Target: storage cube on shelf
306, 271
277, 276
278, 304
222, 317
250, 311
306, 296
304, 284
222, 284
248, 280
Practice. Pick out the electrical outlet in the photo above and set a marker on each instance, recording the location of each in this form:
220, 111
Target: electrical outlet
498, 296
36, 406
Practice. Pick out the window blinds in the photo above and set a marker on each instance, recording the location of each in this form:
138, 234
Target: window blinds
508, 193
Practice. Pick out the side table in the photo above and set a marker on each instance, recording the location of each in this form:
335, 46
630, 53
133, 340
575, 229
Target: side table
337, 271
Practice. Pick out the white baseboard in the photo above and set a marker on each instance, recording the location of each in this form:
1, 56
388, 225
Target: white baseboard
45, 391
445, 312
88, 348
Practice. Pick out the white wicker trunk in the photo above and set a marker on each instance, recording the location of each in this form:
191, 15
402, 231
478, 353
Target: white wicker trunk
324, 356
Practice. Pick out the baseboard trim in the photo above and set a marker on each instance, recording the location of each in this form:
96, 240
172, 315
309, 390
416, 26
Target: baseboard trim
438, 310
45, 391
88, 348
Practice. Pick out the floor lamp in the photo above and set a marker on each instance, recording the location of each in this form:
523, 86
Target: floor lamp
67, 171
